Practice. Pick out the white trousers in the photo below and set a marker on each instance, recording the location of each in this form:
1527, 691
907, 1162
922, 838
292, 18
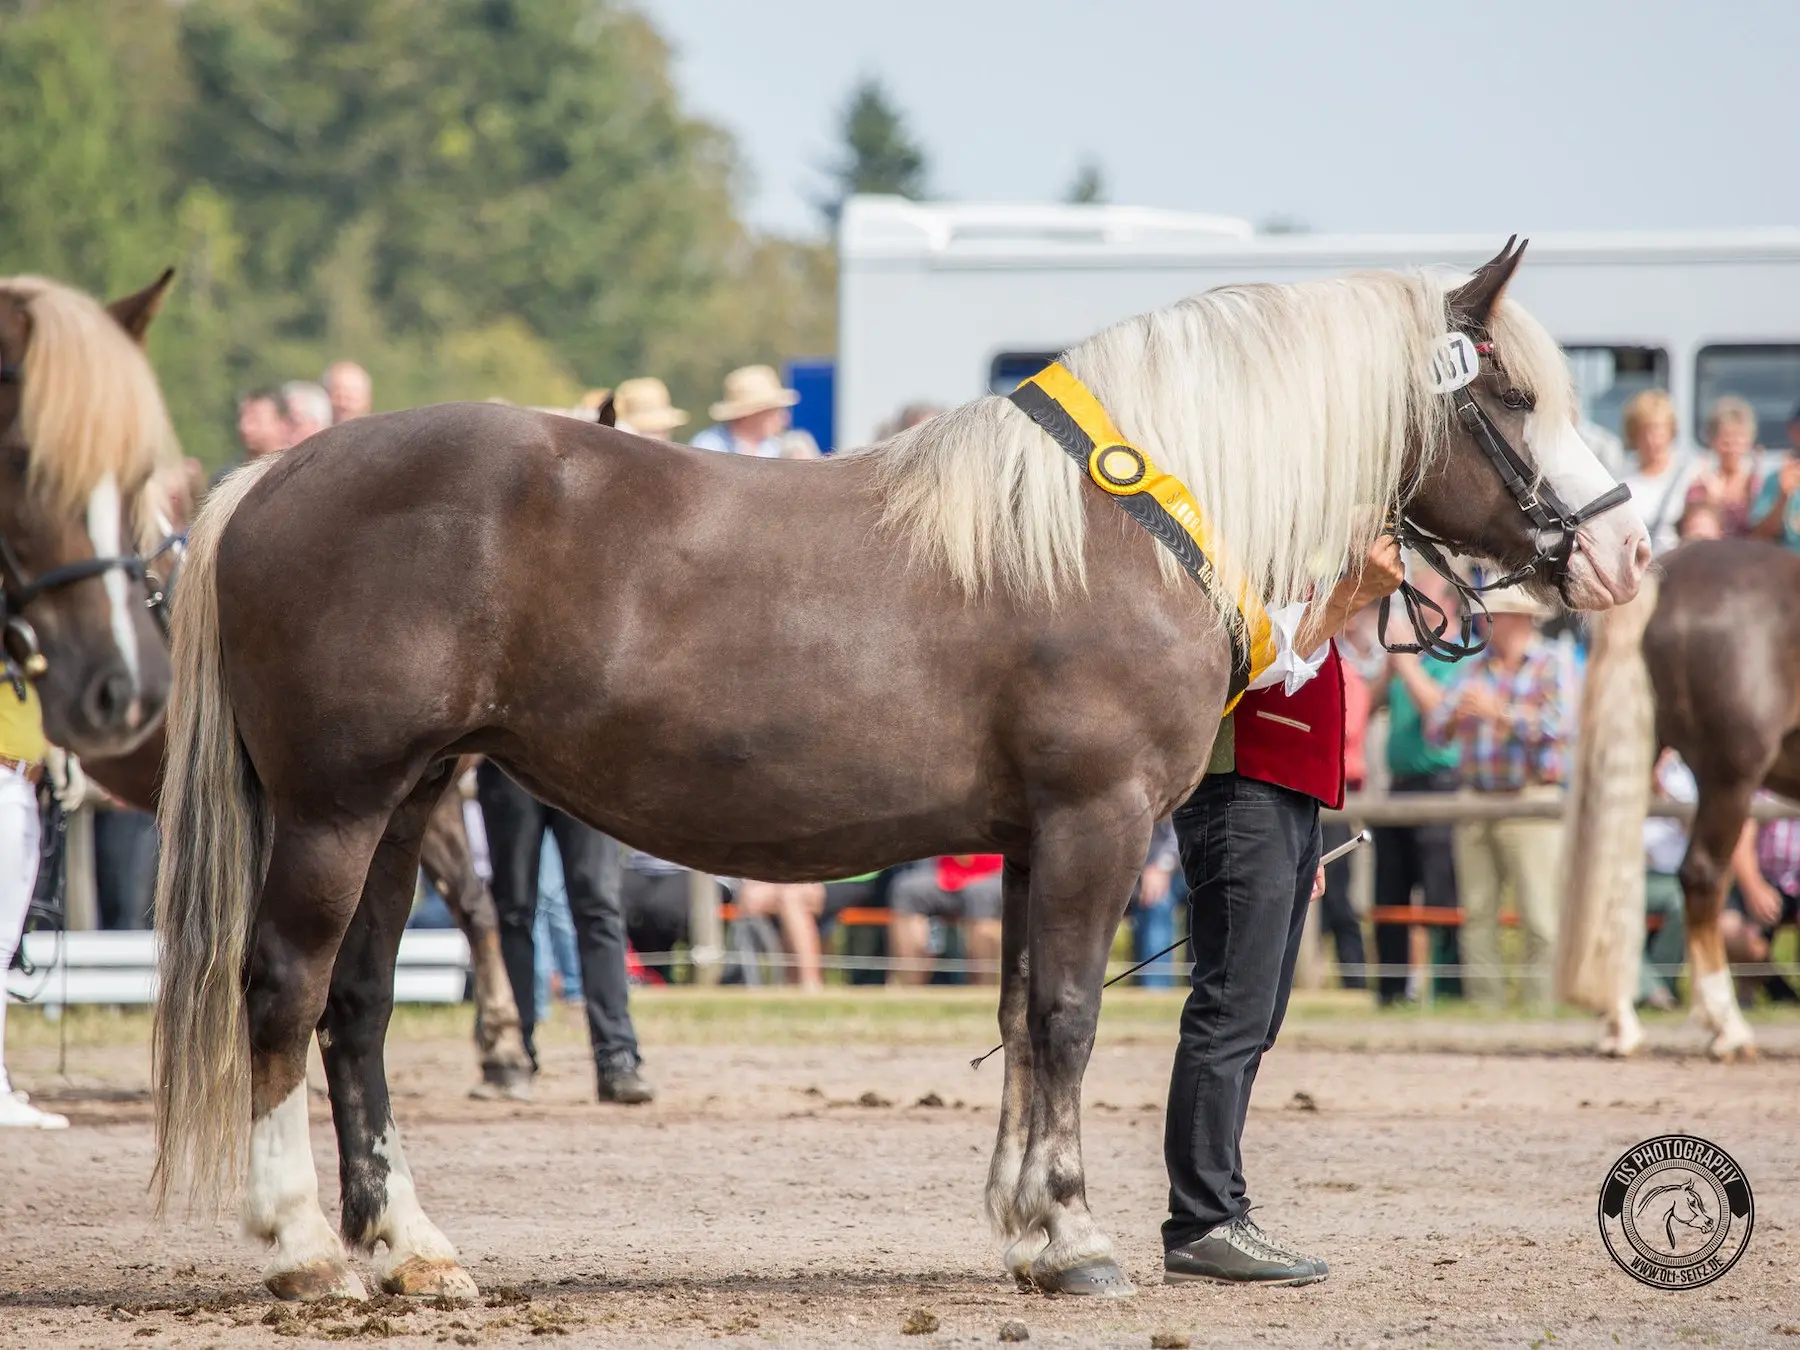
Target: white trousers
18, 876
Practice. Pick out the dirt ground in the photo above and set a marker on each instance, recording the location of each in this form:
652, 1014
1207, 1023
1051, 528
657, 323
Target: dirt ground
789, 1190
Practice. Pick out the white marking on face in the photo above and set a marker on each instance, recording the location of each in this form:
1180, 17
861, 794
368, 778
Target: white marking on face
103, 526
1613, 545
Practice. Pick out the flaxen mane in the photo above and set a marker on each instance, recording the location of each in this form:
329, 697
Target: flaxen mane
1285, 409
90, 405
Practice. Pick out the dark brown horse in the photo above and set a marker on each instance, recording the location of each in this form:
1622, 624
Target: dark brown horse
1723, 652
950, 643
83, 434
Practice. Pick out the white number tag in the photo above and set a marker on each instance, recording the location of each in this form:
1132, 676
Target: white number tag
1454, 363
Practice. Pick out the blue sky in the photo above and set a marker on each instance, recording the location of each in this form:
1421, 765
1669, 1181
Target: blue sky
1385, 115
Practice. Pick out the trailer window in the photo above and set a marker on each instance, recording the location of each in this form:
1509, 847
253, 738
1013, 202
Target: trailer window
1011, 369
1766, 375
1607, 377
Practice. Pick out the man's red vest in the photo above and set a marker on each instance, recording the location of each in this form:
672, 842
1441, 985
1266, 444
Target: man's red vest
1296, 742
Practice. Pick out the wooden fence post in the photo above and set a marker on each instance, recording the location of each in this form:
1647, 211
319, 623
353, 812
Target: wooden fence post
706, 931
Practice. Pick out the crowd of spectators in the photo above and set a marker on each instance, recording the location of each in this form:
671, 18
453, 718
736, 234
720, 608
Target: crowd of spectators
1500, 725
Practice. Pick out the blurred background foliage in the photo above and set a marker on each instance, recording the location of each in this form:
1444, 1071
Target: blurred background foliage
472, 198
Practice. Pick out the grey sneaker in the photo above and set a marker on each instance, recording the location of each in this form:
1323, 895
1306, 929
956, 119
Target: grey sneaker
1256, 1231
1239, 1253
622, 1081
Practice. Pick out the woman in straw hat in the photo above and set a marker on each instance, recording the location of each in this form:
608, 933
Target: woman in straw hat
752, 416
642, 405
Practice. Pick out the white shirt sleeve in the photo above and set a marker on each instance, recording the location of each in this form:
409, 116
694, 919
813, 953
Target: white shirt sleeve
1289, 669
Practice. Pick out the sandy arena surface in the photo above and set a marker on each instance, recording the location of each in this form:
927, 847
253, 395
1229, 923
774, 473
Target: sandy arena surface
758, 1202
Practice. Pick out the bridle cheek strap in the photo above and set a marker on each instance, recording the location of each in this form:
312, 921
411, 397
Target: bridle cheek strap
20, 656
1549, 516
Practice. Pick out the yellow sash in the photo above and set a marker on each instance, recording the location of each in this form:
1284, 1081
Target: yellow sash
1067, 409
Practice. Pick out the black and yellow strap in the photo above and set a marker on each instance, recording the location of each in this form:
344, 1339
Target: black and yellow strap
1065, 408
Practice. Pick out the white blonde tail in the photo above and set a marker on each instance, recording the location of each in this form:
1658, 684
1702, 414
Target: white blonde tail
215, 849
1601, 937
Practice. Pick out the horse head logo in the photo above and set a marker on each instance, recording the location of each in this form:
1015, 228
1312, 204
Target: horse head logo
1678, 1202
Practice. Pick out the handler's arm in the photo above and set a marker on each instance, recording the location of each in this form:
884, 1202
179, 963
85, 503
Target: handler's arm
1302, 631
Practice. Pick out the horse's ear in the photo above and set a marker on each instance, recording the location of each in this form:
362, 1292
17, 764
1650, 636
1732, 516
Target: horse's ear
1475, 299
607, 415
134, 312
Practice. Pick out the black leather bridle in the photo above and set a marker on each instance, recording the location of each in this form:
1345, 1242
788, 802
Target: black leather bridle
21, 657
1554, 523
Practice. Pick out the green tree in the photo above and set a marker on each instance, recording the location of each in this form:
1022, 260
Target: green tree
472, 197
1088, 185
879, 153
459, 163
81, 158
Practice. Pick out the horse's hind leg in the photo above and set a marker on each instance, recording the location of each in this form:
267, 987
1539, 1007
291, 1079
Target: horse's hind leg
1705, 874
1015, 1094
314, 882
505, 1067
379, 1201
1082, 867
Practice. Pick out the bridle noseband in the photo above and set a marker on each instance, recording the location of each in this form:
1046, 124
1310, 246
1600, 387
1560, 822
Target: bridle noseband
21, 657
1553, 521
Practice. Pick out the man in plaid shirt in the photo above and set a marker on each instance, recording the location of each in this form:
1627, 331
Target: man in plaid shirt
1506, 713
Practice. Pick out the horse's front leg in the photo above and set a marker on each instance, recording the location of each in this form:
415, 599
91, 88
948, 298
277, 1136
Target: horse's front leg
1023, 1246
1083, 862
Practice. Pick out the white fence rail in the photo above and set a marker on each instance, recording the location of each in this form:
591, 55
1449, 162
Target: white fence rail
121, 968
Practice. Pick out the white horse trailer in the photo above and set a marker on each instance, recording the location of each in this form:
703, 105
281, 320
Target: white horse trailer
939, 303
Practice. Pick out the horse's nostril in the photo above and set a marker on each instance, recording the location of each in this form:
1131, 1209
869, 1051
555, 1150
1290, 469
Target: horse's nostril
109, 699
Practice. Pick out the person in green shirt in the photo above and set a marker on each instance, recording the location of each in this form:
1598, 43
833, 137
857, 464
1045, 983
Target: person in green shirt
1416, 857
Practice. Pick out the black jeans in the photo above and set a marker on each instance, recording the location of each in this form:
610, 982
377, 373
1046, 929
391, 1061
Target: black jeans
1423, 856
516, 822
1249, 851
1337, 916
124, 868
656, 910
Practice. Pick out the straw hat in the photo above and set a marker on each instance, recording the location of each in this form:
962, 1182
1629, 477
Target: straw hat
642, 404
751, 389
1514, 600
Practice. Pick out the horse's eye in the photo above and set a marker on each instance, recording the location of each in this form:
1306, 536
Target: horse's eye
1518, 400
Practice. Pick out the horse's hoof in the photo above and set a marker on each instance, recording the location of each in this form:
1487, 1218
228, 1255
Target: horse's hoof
1734, 1052
426, 1276
504, 1083
1024, 1250
1090, 1279
316, 1280
1621, 1046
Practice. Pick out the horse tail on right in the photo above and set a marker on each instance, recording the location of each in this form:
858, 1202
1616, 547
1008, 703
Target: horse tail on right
215, 851
1601, 940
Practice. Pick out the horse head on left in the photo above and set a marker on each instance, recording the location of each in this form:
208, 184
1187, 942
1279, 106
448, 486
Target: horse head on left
1513, 480
83, 434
